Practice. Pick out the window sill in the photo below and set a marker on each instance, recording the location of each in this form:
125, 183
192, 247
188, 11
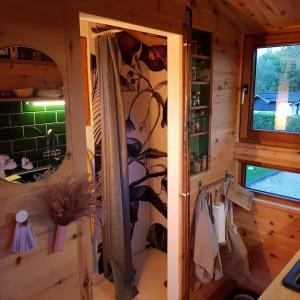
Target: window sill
275, 200
284, 204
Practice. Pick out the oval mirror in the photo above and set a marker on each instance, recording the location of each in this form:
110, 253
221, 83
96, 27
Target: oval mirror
32, 115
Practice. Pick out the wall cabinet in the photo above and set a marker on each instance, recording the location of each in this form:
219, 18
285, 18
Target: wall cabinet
200, 101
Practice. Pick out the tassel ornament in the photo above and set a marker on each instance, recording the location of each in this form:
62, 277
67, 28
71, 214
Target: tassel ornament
24, 239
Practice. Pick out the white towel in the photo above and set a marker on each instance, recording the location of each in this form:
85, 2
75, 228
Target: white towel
205, 246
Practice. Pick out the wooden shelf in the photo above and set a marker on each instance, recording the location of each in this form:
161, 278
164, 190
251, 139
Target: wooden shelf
199, 133
196, 82
15, 99
26, 61
199, 107
193, 175
203, 57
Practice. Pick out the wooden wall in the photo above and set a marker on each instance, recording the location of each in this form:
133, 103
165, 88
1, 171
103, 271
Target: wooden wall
53, 28
225, 87
41, 274
272, 237
271, 233
29, 74
226, 59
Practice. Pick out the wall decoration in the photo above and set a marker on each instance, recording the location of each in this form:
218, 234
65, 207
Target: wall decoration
6, 163
70, 200
24, 239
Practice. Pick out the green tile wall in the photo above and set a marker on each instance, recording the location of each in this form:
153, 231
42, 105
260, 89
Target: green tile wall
4, 120
23, 129
22, 119
199, 144
45, 117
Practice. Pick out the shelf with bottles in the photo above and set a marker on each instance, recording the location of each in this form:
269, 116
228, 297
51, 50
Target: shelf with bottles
200, 72
200, 57
200, 102
200, 97
199, 121
199, 133
199, 154
201, 44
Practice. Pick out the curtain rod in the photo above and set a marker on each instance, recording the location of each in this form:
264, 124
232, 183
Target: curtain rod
207, 186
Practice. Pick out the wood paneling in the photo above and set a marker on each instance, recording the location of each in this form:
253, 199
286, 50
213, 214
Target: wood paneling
53, 28
276, 290
289, 158
226, 55
85, 70
226, 59
272, 237
41, 274
258, 15
29, 74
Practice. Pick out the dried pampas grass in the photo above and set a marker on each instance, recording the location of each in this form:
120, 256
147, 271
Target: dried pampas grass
71, 199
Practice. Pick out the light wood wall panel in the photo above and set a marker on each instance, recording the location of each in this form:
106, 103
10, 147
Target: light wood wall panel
271, 234
272, 237
40, 274
226, 56
31, 74
53, 28
284, 157
226, 59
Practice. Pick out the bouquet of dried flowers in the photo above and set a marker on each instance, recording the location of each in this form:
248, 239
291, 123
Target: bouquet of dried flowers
70, 200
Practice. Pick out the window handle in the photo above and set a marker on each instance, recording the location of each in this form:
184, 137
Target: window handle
245, 92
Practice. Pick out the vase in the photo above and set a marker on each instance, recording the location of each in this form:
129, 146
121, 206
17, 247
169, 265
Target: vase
60, 238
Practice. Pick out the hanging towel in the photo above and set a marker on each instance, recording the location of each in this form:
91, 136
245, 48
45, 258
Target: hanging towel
205, 244
234, 254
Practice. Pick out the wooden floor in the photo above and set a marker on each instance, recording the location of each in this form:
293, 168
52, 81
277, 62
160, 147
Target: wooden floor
151, 268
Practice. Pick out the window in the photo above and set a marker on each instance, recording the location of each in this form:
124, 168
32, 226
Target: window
270, 112
273, 181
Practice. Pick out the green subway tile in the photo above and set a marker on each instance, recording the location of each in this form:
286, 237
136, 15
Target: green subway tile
41, 142
33, 131
17, 157
62, 149
12, 133
10, 107
23, 145
61, 116
4, 121
57, 127
28, 107
55, 107
5, 147
35, 155
44, 162
45, 117
61, 139
22, 119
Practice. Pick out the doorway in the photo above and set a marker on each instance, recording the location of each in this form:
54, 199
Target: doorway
154, 125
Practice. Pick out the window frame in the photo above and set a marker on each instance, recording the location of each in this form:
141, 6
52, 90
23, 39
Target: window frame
247, 134
265, 195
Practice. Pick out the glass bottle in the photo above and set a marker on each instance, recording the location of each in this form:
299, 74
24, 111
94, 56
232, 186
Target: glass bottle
194, 73
194, 99
198, 102
203, 121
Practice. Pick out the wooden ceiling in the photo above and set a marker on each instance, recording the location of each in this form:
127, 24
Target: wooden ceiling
261, 15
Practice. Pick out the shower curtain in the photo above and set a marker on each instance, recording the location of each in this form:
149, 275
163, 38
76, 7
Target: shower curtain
117, 256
